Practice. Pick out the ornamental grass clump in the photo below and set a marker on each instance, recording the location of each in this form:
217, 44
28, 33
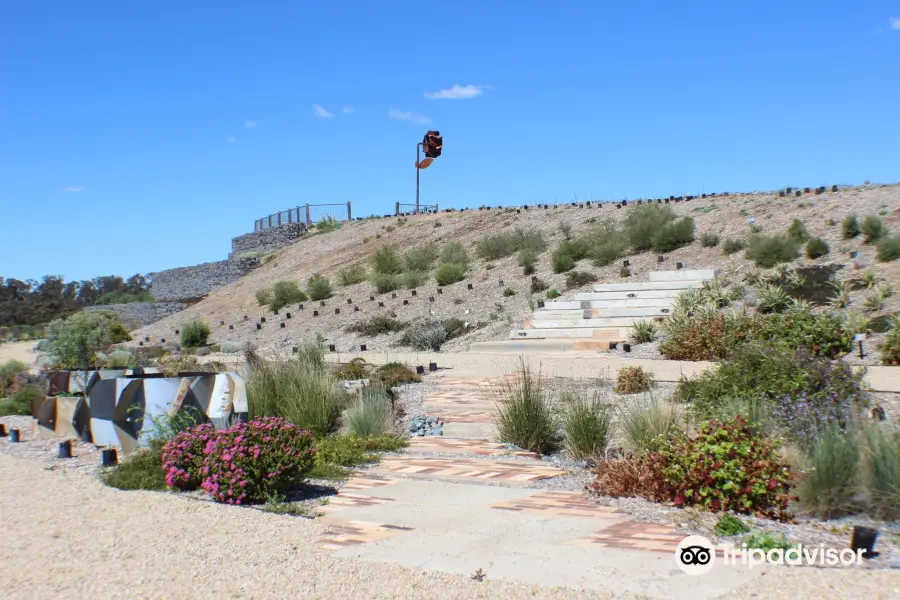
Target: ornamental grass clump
524, 416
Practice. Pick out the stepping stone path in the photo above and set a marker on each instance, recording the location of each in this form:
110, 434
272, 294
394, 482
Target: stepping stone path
463, 502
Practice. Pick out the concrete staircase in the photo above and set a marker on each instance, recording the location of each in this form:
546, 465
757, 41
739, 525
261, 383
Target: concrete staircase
591, 320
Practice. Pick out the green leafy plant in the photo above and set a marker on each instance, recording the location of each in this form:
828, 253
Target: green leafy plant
765, 541
528, 261
194, 334
830, 482
816, 248
285, 293
890, 349
729, 525
709, 240
318, 287
10, 374
673, 235
140, 470
553, 294
772, 299
586, 424
797, 231
420, 259
385, 282
888, 248
509, 292
524, 416
731, 246
768, 251
643, 331
386, 261
393, 374
377, 325
562, 260
633, 380
647, 425
449, 273
577, 279
414, 279
454, 254
352, 274
872, 228
75, 341
20, 402
850, 227
644, 222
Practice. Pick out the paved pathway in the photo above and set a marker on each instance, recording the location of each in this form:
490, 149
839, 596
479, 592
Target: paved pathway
457, 504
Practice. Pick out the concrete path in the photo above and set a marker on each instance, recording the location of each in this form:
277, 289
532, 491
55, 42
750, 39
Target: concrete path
574, 364
460, 504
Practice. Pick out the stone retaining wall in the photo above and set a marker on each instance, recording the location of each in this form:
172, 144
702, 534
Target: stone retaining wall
140, 314
186, 283
268, 239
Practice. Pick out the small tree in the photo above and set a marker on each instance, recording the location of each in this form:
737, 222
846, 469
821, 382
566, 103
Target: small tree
75, 342
194, 334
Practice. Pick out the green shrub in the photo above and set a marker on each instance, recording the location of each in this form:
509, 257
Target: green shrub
352, 274
454, 254
772, 299
802, 391
350, 450
888, 248
385, 282
264, 296
705, 336
586, 424
553, 294
643, 331
538, 285
495, 246
673, 235
645, 426
797, 231
386, 261
448, 273
530, 241
318, 287
376, 325
119, 359
890, 349
729, 525
10, 372
421, 258
20, 402
524, 416
768, 251
354, 370
765, 541
731, 246
872, 229
633, 380
393, 374
194, 334
849, 227
528, 261
327, 225
726, 467
414, 279
509, 292
830, 482
75, 341
561, 260
822, 334
608, 251
882, 470
565, 228
285, 293
709, 240
301, 390
423, 336
577, 279
644, 222
370, 414
140, 470
816, 248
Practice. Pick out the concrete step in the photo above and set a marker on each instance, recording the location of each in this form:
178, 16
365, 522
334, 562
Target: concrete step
682, 275
537, 345
644, 286
567, 323
612, 334
614, 303
627, 295
597, 313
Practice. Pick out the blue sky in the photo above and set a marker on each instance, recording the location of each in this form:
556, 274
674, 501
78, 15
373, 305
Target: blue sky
139, 138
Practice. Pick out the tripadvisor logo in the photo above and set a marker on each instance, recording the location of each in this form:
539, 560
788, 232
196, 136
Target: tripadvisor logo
696, 555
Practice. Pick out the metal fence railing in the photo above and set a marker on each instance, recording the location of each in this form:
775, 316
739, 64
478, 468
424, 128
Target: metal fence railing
306, 213
410, 209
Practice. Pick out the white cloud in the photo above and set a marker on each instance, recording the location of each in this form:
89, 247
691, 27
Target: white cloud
399, 115
457, 92
231, 139
249, 124
895, 23
348, 110
72, 188
320, 112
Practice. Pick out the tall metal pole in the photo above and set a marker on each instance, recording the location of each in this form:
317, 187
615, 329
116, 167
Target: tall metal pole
419, 145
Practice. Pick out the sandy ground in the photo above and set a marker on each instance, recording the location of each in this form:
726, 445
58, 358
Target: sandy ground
67, 536
21, 351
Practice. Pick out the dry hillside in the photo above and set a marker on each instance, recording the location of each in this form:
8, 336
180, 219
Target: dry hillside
485, 307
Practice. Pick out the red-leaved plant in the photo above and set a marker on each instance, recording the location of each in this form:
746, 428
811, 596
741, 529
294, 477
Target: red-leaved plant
247, 462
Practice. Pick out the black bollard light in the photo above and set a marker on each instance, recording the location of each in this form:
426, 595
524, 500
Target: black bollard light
231, 327
362, 347
321, 303
863, 538
299, 307
282, 325
540, 304
3, 432
162, 340
660, 258
64, 450
412, 293
355, 309
612, 345
15, 436
431, 299
331, 347
349, 300
678, 266
177, 331
432, 366
436, 347
109, 457
420, 370
405, 302
337, 311
259, 325
469, 286
371, 298
626, 263
86, 437
381, 305
393, 296
626, 347
262, 319
287, 315
315, 313
440, 291
222, 323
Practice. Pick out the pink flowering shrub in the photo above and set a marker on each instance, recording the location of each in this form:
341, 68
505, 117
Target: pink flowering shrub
183, 457
247, 462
